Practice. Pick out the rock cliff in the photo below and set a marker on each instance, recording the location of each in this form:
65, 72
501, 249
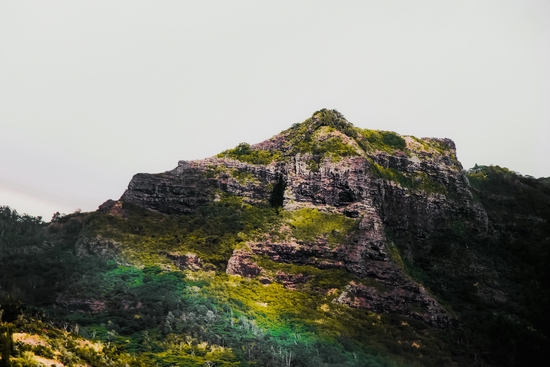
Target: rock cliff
378, 180
326, 245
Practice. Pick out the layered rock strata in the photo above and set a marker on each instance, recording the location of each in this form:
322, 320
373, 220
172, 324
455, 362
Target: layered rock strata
414, 190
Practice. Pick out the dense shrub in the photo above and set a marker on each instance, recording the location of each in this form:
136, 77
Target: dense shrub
243, 152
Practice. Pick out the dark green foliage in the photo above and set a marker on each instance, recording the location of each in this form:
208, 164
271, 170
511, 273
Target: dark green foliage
386, 141
305, 137
314, 136
329, 118
418, 181
332, 146
334, 119
393, 140
6, 341
244, 153
10, 308
499, 284
391, 174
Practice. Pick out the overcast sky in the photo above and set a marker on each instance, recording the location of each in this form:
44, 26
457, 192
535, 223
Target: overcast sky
92, 92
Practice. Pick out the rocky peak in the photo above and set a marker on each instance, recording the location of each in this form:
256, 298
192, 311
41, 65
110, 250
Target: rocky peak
327, 134
326, 170
331, 119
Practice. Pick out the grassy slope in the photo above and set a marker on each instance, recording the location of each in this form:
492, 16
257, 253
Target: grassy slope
160, 314
149, 312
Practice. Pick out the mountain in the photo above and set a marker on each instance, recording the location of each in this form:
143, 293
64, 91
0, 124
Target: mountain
326, 245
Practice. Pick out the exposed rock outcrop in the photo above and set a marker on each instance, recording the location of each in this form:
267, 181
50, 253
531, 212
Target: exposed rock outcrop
241, 263
186, 261
112, 207
406, 299
193, 183
99, 246
414, 186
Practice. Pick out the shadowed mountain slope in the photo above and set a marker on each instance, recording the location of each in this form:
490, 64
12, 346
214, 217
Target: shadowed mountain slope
326, 245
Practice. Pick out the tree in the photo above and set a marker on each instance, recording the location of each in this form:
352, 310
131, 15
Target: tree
6, 342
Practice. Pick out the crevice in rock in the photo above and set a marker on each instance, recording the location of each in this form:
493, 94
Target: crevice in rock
278, 195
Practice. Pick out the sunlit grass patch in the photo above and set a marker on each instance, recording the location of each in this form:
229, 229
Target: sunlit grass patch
309, 224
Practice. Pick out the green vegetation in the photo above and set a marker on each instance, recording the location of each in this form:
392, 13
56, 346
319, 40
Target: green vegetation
391, 174
211, 233
112, 314
38, 342
244, 177
425, 183
326, 134
6, 341
309, 225
307, 137
495, 177
420, 180
321, 282
147, 312
102, 289
394, 255
322, 118
323, 143
386, 141
213, 171
319, 332
243, 152
497, 284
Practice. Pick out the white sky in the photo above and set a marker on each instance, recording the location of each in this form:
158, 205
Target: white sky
92, 92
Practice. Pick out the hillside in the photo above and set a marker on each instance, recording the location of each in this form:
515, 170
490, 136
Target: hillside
326, 245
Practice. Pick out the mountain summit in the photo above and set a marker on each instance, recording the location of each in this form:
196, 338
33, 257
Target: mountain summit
325, 245
328, 133
360, 184
322, 149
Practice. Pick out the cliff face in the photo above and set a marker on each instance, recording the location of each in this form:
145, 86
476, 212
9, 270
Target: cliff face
379, 180
326, 245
